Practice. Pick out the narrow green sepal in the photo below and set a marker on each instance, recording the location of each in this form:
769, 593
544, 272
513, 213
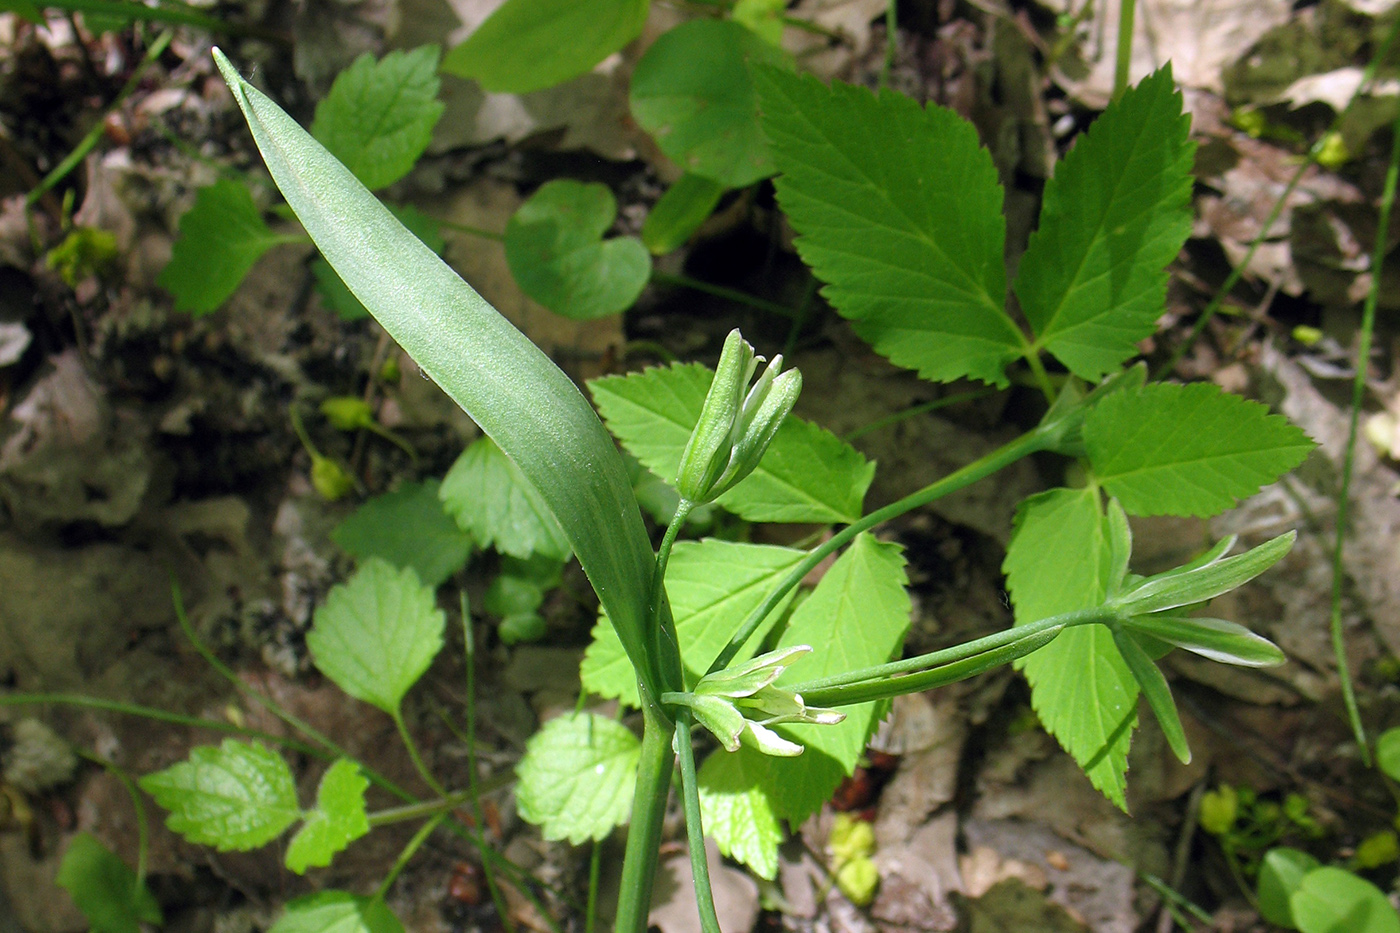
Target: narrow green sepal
1216, 639
1154, 687
1203, 581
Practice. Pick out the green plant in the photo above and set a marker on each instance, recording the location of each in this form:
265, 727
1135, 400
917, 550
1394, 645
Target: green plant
905, 228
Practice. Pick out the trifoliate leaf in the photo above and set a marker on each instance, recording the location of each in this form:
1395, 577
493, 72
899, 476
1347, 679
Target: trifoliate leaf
376, 634
898, 209
333, 291
338, 819
556, 252
736, 812
807, 475
856, 617
713, 585
682, 209
1060, 560
692, 92
337, 912
490, 498
1188, 450
577, 777
221, 237
408, 528
379, 116
1331, 900
104, 888
237, 796
527, 45
1117, 211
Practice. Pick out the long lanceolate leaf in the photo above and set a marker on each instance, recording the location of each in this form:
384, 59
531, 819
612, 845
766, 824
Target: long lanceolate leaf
510, 388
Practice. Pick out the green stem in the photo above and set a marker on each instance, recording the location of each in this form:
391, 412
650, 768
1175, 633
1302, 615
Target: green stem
1037, 365
94, 135
1126, 11
666, 644
891, 44
416, 811
916, 410
469, 230
412, 747
639, 863
694, 826
595, 874
1026, 444
142, 828
1358, 391
408, 852
720, 291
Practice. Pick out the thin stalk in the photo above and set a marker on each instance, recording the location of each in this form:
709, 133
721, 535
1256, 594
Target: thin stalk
891, 44
412, 747
1037, 365
408, 852
417, 811
469, 230
142, 827
1003, 456
639, 863
94, 135
694, 826
720, 291
916, 410
1358, 392
666, 644
595, 874
1126, 12
178, 14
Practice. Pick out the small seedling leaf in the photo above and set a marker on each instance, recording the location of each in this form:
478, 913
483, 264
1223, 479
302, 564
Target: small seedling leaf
1280, 874
737, 813
376, 634
1188, 450
1331, 900
713, 586
1059, 561
692, 92
527, 45
408, 528
807, 475
1117, 211
105, 890
337, 912
577, 777
682, 209
337, 820
556, 252
379, 116
858, 614
221, 236
237, 796
492, 499
898, 209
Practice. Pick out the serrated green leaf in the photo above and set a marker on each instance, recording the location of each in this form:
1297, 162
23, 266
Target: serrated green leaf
1059, 560
682, 209
898, 209
807, 475
237, 796
1331, 900
104, 889
408, 528
556, 252
333, 291
338, 819
337, 912
1188, 450
856, 617
379, 116
736, 811
221, 236
376, 634
692, 92
492, 499
1093, 279
713, 586
577, 776
527, 45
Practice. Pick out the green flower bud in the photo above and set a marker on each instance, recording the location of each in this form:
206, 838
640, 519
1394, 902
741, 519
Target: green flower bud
347, 413
330, 479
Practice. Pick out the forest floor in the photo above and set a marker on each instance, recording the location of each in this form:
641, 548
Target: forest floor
143, 449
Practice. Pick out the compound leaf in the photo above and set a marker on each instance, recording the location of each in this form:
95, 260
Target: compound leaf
898, 209
376, 634
577, 776
221, 236
1060, 560
737, 813
408, 528
1187, 450
527, 45
337, 820
807, 475
556, 252
379, 116
337, 912
1117, 211
692, 92
492, 499
713, 586
104, 888
237, 796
